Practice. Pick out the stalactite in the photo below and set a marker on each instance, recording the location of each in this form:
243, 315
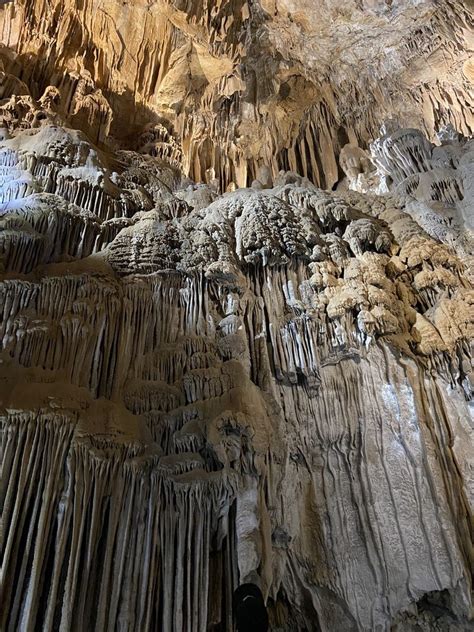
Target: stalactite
202, 389
230, 87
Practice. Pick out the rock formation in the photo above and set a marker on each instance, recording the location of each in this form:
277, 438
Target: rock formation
285, 83
213, 371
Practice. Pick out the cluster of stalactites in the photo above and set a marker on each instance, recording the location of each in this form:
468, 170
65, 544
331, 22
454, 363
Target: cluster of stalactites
113, 517
433, 181
185, 365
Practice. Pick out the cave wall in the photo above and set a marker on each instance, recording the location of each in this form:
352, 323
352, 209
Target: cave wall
201, 390
272, 384
249, 83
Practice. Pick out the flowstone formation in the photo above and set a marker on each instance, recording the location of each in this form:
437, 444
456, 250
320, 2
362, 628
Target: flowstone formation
200, 390
205, 384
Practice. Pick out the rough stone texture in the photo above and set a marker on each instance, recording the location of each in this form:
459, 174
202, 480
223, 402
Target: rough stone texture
286, 83
270, 382
202, 389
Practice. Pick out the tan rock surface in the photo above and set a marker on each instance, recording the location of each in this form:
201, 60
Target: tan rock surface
271, 384
281, 82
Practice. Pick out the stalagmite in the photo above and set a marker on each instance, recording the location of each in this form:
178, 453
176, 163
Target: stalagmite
237, 315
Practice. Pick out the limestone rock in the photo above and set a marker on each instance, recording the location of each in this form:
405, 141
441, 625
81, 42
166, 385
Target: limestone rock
201, 375
276, 82
206, 382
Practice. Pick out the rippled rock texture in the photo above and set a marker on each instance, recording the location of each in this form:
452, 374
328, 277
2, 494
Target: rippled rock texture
284, 82
198, 390
270, 385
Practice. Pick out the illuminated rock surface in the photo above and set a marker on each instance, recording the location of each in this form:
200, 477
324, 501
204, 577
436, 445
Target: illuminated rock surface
272, 384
